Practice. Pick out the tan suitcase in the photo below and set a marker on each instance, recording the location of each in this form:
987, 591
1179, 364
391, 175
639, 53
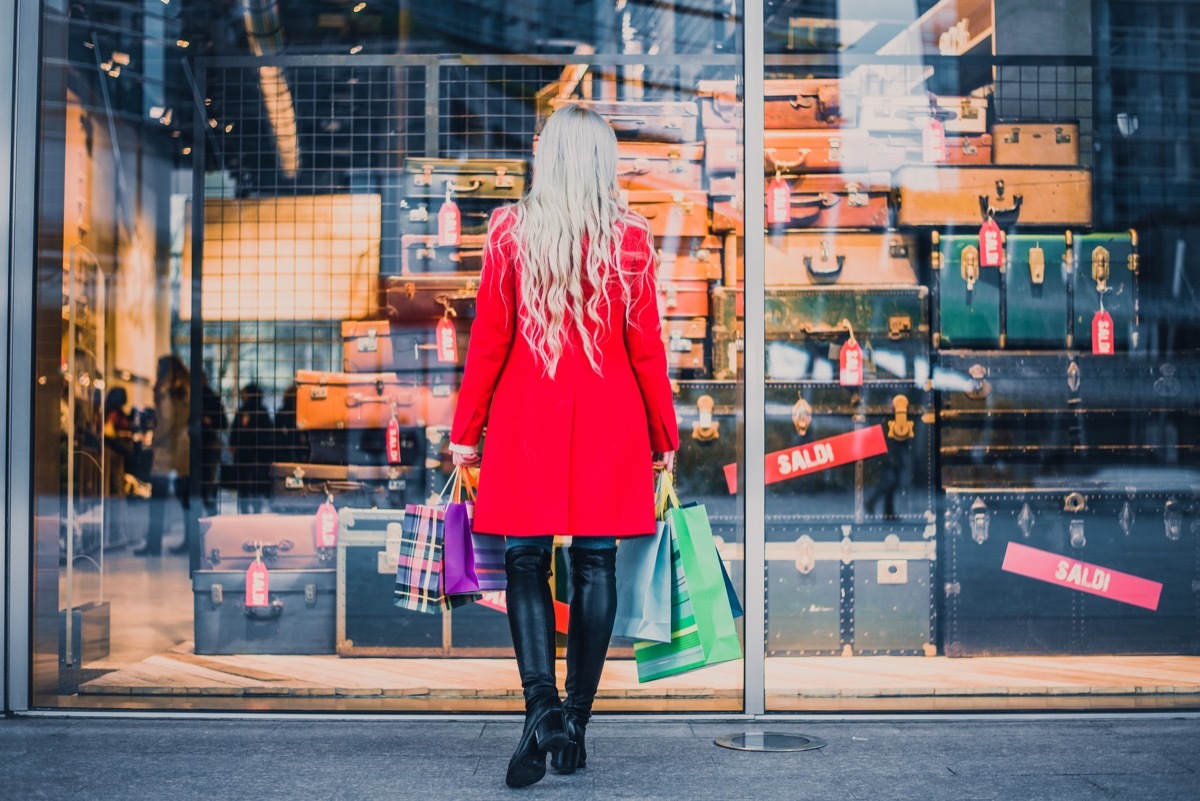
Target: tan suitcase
368, 400
898, 113
662, 167
672, 214
788, 103
839, 201
793, 152
802, 258
685, 344
694, 259
943, 196
493, 179
1041, 143
678, 299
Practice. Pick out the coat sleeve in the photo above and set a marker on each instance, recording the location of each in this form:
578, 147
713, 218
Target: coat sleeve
491, 337
648, 354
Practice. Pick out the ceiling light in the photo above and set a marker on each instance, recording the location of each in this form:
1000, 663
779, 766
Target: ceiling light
208, 101
187, 151
156, 112
212, 123
359, 7
184, 43
176, 134
120, 58
354, 51
115, 72
165, 119
229, 128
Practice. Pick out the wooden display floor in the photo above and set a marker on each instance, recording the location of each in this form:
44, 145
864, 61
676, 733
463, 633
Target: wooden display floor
813, 684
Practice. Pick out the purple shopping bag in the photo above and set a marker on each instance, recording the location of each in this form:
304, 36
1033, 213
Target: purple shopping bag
458, 559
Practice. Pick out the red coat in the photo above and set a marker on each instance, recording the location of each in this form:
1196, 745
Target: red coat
569, 455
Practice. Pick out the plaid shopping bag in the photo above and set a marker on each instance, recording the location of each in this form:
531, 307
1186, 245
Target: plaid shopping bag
419, 568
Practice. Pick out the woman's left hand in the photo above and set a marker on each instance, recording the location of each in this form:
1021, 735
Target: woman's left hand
464, 458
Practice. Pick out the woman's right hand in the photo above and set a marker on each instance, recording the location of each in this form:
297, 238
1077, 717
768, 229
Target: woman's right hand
665, 461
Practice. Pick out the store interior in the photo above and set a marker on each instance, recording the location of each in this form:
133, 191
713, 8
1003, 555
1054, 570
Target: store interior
260, 189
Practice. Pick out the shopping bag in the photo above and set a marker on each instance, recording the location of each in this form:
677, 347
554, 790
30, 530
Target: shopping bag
702, 628
488, 549
458, 563
644, 580
419, 584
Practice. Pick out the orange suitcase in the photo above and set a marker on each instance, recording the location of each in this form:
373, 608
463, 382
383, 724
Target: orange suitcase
685, 344
369, 400
692, 259
839, 201
683, 299
663, 167
675, 214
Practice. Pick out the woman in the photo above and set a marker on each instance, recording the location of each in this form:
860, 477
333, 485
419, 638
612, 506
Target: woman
170, 448
567, 367
252, 443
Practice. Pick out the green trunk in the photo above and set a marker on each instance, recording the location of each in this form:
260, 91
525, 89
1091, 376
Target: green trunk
968, 317
1037, 311
1120, 301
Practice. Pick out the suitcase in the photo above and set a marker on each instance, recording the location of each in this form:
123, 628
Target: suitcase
364, 447
672, 214
1037, 291
788, 103
896, 486
411, 298
838, 201
683, 299
660, 167
802, 258
805, 331
859, 151
838, 590
373, 346
728, 332
685, 340
369, 400
720, 109
1041, 143
728, 215
299, 621
419, 217
302, 488
1106, 264
723, 155
287, 542
711, 418
1081, 535
643, 120
494, 179
898, 113
690, 259
1030, 196
966, 297
421, 255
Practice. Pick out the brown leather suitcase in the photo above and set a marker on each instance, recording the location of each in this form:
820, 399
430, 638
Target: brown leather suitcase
659, 166
496, 179
788, 103
801, 258
691, 259
422, 254
900, 113
728, 332
643, 120
1044, 143
369, 400
302, 488
672, 214
941, 196
411, 298
373, 346
232, 542
856, 200
678, 299
685, 345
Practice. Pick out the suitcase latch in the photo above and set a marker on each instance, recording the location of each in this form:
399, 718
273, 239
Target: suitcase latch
835, 148
968, 148
1061, 137
296, 480
1100, 267
318, 393
980, 387
1126, 518
1167, 385
705, 429
369, 343
1173, 519
900, 427
802, 416
1026, 520
677, 344
897, 249
426, 176
419, 214
389, 557
953, 589
1075, 502
806, 555
980, 522
310, 594
899, 326
969, 111
1037, 265
1078, 537
855, 195
672, 297
424, 254
1073, 376
970, 266
503, 179
892, 571
1013, 137
216, 593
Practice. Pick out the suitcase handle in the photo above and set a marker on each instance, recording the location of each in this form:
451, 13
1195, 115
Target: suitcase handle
460, 189
339, 486
781, 164
824, 200
627, 124
829, 275
355, 399
265, 614
1005, 217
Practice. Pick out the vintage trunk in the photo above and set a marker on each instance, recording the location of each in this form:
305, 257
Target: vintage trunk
805, 331
685, 340
838, 201
422, 255
690, 259
860, 151
1041, 143
802, 258
369, 400
966, 296
496, 179
841, 590
1066, 595
958, 115
1029, 196
728, 333
711, 418
672, 214
1106, 274
304, 487
1037, 291
678, 299
419, 216
284, 541
372, 346
364, 447
299, 619
895, 486
660, 167
644, 120
411, 298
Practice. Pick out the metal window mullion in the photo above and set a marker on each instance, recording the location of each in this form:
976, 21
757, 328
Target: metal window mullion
754, 695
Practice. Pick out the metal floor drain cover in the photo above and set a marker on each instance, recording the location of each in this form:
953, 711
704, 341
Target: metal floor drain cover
769, 741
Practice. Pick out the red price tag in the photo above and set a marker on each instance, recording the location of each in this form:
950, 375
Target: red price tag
1103, 341
449, 224
393, 441
257, 585
327, 526
1073, 574
447, 342
851, 364
991, 245
779, 201
933, 142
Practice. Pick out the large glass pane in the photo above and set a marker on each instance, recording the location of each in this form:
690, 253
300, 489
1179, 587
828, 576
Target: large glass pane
244, 263
980, 366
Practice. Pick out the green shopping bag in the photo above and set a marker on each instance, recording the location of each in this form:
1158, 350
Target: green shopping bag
702, 630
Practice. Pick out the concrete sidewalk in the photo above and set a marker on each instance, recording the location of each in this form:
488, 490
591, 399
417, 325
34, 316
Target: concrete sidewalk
255, 760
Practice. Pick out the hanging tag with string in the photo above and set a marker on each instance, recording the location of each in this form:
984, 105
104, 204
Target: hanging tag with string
850, 361
991, 243
327, 523
779, 200
933, 136
447, 338
392, 439
1103, 339
449, 221
258, 582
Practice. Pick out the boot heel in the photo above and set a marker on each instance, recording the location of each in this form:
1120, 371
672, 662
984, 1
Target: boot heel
551, 732
566, 761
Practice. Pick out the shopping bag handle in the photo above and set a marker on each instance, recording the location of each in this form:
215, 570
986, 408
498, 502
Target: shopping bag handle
461, 478
665, 496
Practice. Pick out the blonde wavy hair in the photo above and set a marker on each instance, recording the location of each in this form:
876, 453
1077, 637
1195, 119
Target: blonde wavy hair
573, 200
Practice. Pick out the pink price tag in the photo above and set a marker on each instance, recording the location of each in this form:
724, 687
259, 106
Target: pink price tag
449, 225
851, 365
933, 142
447, 342
779, 202
1082, 576
258, 585
991, 245
327, 526
1103, 342
393, 441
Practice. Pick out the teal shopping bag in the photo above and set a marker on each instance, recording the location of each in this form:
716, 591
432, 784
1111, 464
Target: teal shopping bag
644, 578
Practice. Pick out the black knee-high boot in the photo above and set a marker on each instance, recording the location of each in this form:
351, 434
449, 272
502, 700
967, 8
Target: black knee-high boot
531, 619
593, 610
